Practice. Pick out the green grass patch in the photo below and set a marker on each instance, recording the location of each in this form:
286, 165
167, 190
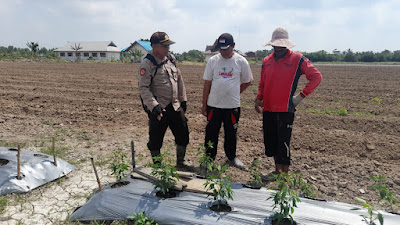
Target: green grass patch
342, 112
376, 101
3, 204
245, 104
328, 111
61, 151
12, 144
191, 63
363, 114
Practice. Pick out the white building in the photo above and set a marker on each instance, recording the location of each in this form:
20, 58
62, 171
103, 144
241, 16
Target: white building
143, 46
96, 50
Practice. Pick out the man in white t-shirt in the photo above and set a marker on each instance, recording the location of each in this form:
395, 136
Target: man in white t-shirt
227, 74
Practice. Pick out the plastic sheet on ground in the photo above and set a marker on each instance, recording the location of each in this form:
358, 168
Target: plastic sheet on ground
36, 170
249, 207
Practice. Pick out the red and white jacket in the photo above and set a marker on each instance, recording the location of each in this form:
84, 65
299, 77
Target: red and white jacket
279, 80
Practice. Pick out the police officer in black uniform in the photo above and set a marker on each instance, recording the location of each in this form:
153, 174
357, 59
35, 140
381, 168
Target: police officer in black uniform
163, 95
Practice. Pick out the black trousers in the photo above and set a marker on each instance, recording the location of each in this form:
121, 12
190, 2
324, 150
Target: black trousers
277, 128
230, 118
175, 120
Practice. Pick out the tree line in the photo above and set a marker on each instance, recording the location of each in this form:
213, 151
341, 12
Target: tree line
34, 51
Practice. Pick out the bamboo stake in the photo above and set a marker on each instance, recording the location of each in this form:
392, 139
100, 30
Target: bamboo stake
97, 176
133, 155
54, 153
19, 163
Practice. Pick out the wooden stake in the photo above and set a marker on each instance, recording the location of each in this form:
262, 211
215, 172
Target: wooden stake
97, 176
133, 155
19, 163
54, 153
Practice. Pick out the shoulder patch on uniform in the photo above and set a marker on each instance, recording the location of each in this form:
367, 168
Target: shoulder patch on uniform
142, 71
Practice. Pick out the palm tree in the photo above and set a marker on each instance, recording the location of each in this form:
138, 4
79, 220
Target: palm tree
76, 48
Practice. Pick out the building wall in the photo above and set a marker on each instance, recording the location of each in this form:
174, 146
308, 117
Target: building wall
100, 56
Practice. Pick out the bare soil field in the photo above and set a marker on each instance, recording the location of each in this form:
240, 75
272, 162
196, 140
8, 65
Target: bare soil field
93, 109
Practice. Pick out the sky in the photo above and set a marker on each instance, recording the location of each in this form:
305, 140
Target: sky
314, 25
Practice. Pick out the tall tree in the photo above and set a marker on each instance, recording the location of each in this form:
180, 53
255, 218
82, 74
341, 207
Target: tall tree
349, 56
34, 47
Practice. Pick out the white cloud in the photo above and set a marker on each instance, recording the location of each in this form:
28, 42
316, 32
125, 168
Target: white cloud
194, 24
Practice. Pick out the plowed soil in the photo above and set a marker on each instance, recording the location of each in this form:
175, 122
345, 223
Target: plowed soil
93, 109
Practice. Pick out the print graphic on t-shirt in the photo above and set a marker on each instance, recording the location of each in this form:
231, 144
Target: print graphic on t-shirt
226, 72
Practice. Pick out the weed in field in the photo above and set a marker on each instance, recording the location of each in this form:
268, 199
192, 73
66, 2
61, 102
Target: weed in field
165, 173
398, 104
141, 219
373, 214
119, 167
363, 114
3, 204
341, 102
342, 112
60, 151
327, 111
376, 101
12, 144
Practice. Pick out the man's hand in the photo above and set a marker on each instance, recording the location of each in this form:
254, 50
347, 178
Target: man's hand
258, 105
296, 100
184, 106
157, 111
204, 110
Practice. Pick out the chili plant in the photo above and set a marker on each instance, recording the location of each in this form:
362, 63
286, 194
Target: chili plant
219, 183
289, 187
205, 159
384, 192
165, 173
141, 219
119, 167
256, 181
373, 214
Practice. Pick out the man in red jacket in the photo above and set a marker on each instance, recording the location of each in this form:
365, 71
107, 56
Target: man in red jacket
276, 98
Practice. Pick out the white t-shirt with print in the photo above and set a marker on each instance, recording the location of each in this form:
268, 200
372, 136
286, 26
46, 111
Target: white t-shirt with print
226, 75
